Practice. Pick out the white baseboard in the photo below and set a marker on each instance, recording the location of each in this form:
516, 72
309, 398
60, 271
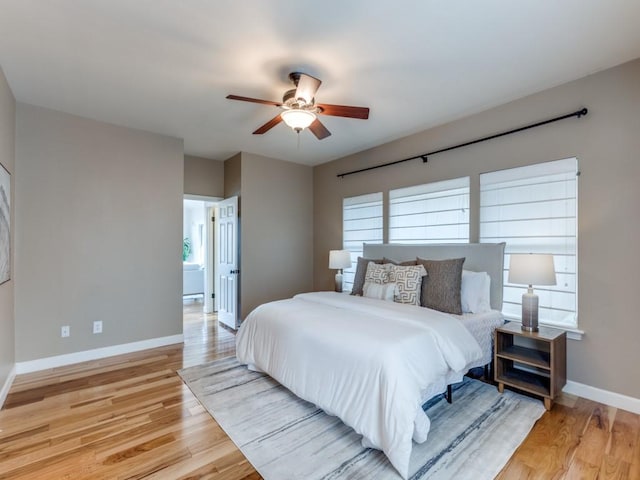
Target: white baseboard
614, 399
95, 354
7, 385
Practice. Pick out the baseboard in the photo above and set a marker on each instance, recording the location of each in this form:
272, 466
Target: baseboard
95, 354
7, 385
617, 400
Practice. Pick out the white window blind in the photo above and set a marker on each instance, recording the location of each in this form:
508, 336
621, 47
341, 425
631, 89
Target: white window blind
361, 222
534, 210
435, 212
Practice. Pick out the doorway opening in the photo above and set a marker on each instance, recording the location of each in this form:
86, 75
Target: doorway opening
198, 253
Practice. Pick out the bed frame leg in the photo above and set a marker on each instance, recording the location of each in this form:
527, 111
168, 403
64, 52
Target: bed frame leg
486, 373
448, 395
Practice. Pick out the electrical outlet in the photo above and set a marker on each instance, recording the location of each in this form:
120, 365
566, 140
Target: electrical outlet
65, 331
97, 326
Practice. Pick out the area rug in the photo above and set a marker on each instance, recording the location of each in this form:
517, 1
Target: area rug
285, 437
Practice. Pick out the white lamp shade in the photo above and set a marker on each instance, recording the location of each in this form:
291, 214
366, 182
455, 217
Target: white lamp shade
532, 269
339, 259
298, 119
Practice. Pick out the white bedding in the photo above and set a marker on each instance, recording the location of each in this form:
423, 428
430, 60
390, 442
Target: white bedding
481, 326
369, 362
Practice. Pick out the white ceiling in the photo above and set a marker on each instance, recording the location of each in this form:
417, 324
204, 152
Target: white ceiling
167, 65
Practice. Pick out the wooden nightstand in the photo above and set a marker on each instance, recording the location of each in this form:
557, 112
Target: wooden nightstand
535, 362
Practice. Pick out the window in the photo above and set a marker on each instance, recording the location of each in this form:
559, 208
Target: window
534, 210
435, 212
361, 222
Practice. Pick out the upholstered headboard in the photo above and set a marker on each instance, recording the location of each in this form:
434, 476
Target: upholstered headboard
479, 257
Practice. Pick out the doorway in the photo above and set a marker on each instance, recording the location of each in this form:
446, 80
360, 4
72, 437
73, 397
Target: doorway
198, 253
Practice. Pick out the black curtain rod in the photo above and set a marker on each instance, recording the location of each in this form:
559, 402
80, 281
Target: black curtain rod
424, 156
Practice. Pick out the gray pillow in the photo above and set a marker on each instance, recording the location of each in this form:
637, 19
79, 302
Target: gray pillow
441, 286
361, 271
406, 263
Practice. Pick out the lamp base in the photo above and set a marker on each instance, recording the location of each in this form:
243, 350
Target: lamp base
339, 281
529, 311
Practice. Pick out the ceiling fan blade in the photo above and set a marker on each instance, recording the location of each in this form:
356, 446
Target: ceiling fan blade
269, 125
344, 111
307, 86
254, 100
319, 130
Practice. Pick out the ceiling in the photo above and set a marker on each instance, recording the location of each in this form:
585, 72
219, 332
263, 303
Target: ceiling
166, 66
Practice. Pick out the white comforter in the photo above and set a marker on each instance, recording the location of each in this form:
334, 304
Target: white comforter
367, 361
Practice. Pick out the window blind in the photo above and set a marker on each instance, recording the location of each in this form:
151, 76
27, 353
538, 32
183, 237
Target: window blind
361, 222
534, 209
436, 212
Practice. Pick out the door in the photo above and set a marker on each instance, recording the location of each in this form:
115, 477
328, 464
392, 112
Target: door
227, 267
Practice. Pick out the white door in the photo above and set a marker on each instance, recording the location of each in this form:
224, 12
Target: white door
227, 267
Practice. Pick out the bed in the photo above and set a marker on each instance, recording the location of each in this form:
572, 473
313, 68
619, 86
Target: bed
371, 362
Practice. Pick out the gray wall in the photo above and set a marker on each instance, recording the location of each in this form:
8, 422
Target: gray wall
98, 233
203, 176
7, 156
606, 143
276, 227
232, 176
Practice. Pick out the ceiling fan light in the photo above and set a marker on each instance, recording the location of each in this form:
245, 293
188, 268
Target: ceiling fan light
298, 119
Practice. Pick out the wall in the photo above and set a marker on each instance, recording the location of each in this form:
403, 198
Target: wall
98, 233
203, 176
7, 156
276, 227
606, 143
232, 176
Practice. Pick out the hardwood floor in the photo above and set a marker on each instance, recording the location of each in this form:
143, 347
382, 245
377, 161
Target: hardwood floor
131, 417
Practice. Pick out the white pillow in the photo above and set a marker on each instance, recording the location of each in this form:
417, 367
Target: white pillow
380, 291
475, 293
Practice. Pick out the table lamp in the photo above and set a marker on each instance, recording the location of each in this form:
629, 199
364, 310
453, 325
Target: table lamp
531, 269
339, 259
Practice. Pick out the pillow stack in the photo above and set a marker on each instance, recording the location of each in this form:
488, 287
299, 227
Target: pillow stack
438, 284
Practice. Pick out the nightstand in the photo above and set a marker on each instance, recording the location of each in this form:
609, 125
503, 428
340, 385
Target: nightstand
534, 362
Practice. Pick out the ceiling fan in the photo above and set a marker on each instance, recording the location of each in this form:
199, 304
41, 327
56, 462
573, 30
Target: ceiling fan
301, 110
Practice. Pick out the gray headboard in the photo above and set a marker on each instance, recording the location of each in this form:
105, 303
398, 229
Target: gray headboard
479, 257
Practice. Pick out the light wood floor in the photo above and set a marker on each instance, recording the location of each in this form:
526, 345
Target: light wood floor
131, 417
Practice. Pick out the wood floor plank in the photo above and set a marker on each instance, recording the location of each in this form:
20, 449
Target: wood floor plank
132, 417
624, 437
595, 439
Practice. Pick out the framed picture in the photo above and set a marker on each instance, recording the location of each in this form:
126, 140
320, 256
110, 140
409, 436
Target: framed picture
5, 224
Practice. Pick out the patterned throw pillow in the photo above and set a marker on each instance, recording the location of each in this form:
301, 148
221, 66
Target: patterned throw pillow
377, 273
408, 280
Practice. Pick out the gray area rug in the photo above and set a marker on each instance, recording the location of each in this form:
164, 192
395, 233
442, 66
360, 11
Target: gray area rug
285, 437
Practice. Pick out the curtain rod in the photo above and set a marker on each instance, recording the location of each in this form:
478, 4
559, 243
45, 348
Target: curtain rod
579, 113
